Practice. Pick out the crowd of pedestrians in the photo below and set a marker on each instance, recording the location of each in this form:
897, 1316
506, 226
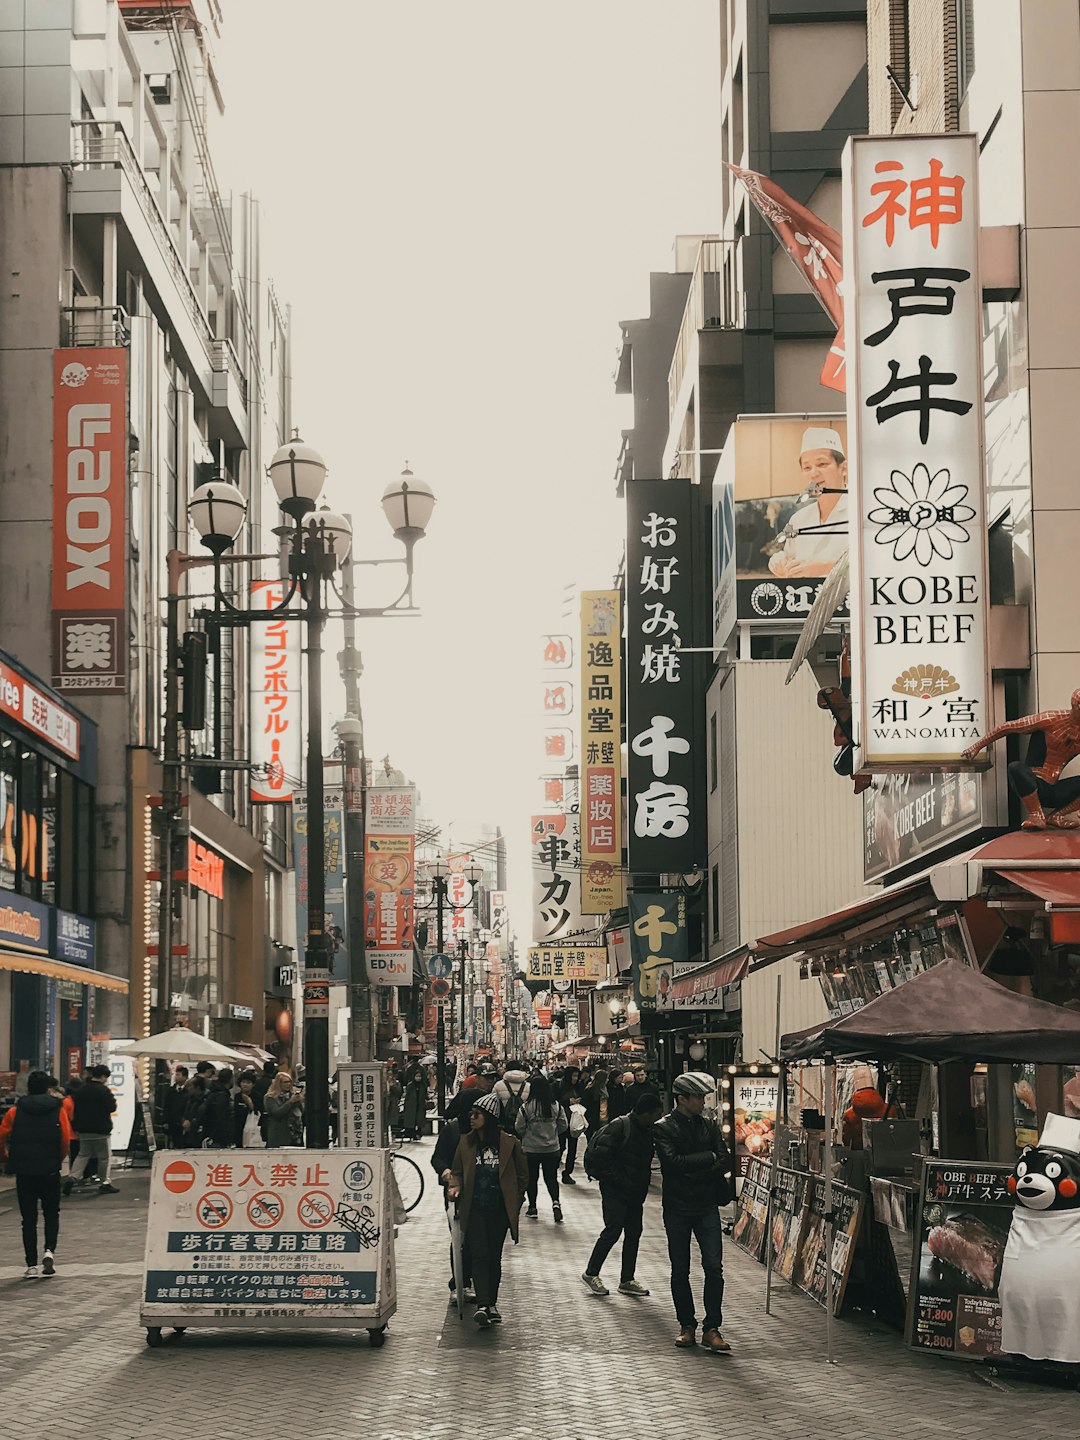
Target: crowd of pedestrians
502, 1133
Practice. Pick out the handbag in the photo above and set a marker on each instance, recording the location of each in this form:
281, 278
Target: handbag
577, 1120
252, 1138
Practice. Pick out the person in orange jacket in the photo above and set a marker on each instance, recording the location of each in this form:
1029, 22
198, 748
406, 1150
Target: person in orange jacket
35, 1135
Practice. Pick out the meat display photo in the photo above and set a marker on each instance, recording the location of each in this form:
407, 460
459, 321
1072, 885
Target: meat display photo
963, 1227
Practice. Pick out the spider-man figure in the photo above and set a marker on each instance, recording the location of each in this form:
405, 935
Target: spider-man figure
1055, 740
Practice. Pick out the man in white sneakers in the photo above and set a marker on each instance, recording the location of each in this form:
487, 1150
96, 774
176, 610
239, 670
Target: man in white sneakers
35, 1135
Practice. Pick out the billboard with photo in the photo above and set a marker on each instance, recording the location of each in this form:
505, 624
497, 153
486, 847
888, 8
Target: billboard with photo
791, 515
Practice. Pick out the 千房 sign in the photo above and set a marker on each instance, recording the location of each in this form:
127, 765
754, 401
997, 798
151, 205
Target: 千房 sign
915, 428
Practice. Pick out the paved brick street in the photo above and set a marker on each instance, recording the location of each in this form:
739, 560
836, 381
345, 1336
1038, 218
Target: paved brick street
564, 1366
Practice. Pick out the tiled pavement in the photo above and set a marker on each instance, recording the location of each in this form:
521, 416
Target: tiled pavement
564, 1366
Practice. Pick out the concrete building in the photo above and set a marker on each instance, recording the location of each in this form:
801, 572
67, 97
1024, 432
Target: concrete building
125, 257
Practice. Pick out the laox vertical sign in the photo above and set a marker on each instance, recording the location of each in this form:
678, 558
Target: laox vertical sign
89, 520
915, 426
660, 728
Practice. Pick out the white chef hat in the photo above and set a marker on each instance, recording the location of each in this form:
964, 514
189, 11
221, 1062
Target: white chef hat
820, 437
1060, 1133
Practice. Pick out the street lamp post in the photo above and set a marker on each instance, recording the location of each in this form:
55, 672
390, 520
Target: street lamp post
440, 880
318, 544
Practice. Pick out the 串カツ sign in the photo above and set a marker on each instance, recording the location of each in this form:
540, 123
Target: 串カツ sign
915, 428
89, 520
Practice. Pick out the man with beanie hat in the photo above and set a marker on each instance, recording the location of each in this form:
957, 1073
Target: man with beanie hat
35, 1136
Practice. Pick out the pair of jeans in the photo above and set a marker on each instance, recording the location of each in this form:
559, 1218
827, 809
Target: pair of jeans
706, 1229
486, 1236
96, 1147
623, 1215
549, 1163
32, 1191
570, 1142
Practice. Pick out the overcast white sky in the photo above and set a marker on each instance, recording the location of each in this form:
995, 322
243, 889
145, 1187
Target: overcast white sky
461, 199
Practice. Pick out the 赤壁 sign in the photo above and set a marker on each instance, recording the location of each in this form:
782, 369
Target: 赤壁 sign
915, 426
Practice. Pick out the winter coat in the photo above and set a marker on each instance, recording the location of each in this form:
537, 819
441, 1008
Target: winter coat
94, 1107
172, 1110
284, 1120
219, 1123
540, 1133
514, 1080
591, 1101
695, 1163
513, 1177
35, 1134
620, 1156
414, 1108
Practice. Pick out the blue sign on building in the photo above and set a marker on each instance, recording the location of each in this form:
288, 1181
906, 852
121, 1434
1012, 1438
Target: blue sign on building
74, 939
24, 924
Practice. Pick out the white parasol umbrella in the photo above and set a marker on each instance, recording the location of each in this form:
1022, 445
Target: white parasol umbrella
178, 1044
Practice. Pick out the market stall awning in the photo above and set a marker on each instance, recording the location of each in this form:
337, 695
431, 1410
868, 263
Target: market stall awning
707, 981
59, 970
1059, 888
889, 907
949, 1012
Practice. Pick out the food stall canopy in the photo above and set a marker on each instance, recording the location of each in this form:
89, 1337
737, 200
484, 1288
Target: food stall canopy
890, 907
949, 1012
1059, 888
713, 975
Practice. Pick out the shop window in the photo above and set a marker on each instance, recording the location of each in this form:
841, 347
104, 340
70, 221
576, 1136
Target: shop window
48, 832
29, 824
9, 814
84, 853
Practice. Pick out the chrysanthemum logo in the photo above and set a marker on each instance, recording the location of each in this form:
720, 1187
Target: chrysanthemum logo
921, 514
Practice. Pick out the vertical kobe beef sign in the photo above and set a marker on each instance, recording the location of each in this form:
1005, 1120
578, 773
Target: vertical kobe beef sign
89, 520
915, 426
660, 728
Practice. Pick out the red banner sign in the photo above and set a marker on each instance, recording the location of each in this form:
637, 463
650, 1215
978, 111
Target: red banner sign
89, 520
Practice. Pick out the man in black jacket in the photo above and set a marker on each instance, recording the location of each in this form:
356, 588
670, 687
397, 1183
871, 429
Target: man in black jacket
173, 1107
696, 1165
621, 1159
35, 1135
219, 1118
95, 1105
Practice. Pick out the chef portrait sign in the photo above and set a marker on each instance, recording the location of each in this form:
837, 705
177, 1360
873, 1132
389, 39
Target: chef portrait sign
915, 427
660, 723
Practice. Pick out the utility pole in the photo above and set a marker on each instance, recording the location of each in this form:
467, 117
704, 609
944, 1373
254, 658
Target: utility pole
350, 732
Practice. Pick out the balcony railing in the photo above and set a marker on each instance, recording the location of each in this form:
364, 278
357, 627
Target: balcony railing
716, 301
104, 145
93, 325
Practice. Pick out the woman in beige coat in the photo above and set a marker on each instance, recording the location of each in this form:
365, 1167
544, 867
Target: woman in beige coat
488, 1179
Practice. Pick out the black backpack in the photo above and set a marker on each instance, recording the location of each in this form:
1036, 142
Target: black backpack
511, 1107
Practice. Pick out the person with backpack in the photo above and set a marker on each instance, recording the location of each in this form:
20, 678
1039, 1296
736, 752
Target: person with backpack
541, 1124
570, 1091
35, 1135
511, 1092
620, 1157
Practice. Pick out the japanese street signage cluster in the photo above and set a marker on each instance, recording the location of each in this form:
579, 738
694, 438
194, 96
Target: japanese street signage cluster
660, 719
275, 699
335, 921
915, 419
90, 485
389, 883
601, 766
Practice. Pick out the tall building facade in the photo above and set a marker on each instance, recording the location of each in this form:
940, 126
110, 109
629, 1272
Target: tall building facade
143, 351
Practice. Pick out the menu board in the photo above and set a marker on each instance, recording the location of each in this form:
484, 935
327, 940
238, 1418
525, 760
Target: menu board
754, 1100
809, 1272
963, 1223
789, 1209
751, 1210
